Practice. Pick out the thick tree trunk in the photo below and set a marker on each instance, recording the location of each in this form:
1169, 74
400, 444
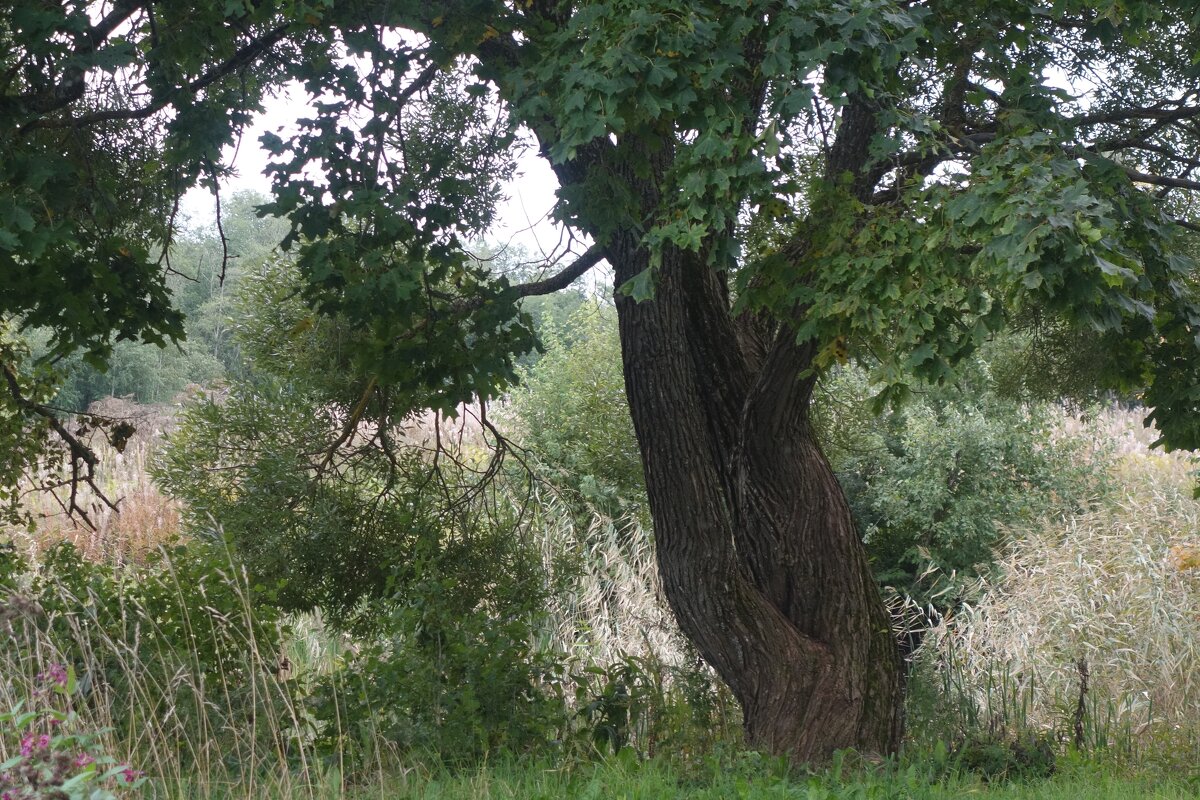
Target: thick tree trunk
757, 549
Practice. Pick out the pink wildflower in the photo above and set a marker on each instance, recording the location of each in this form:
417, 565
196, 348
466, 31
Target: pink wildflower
83, 759
32, 742
130, 774
56, 674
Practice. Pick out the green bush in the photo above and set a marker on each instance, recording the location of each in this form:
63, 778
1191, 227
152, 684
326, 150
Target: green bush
935, 483
452, 669
655, 709
1022, 757
572, 413
248, 463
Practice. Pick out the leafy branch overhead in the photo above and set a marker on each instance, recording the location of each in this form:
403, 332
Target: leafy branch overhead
992, 185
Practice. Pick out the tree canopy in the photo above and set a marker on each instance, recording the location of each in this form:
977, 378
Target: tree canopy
1023, 159
779, 186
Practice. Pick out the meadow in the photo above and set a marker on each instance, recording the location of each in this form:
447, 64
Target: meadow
183, 672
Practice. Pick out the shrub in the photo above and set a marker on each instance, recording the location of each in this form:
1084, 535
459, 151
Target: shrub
1022, 757
326, 542
572, 413
451, 669
933, 484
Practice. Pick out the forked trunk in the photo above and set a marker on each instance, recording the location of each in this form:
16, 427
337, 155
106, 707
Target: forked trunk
756, 545
757, 548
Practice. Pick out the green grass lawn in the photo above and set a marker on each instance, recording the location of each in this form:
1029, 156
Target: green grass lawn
759, 779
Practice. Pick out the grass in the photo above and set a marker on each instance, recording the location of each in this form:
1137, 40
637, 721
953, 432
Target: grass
750, 777
201, 721
1118, 586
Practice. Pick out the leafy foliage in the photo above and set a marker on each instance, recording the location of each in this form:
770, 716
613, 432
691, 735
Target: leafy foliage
453, 670
571, 411
993, 191
936, 484
208, 267
92, 168
932, 182
310, 472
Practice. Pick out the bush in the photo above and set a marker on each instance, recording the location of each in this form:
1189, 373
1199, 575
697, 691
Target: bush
1023, 757
935, 483
247, 461
572, 413
438, 679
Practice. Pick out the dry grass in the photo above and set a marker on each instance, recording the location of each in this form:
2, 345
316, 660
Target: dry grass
1117, 587
147, 519
614, 606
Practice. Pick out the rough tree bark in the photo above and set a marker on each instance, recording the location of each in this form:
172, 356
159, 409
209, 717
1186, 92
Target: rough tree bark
758, 552
757, 548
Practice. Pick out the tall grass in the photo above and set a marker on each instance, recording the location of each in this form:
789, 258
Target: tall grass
218, 720
1114, 593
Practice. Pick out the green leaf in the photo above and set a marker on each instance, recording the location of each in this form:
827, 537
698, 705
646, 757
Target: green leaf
640, 287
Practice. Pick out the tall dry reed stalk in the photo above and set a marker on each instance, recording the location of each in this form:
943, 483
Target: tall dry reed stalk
1116, 588
612, 605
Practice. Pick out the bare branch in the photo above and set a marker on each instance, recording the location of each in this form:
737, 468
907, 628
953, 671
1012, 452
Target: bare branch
593, 256
1163, 112
1165, 152
1162, 180
83, 458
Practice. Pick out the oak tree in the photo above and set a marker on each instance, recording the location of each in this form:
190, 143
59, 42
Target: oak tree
778, 185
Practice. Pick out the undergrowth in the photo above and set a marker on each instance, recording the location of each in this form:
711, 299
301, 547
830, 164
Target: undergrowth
184, 669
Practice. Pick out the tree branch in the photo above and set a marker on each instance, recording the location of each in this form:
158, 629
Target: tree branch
1162, 180
1163, 112
241, 58
83, 458
593, 256
71, 88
